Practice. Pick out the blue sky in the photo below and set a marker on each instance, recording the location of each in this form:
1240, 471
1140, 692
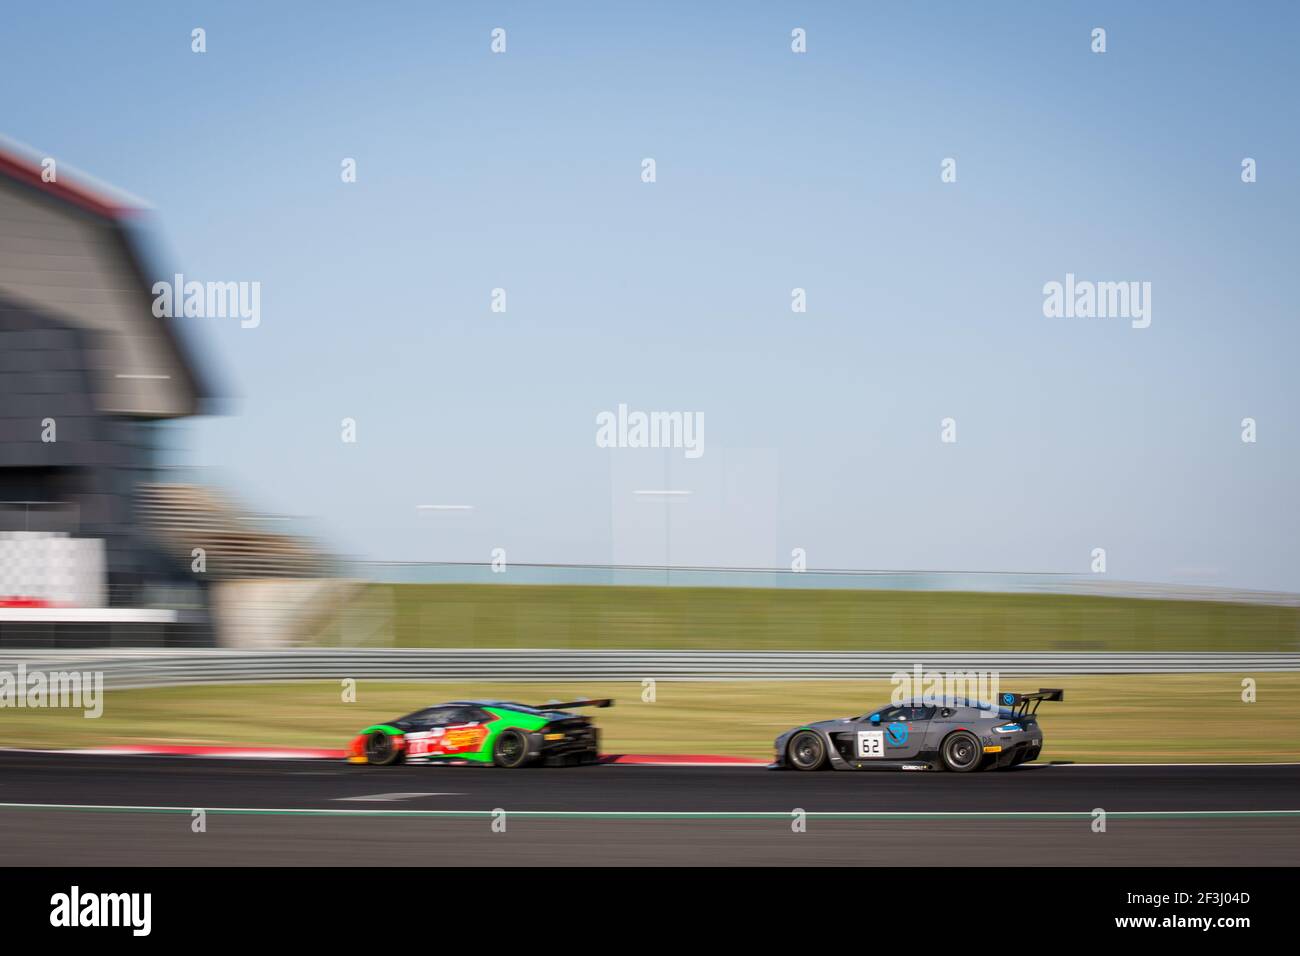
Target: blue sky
774, 171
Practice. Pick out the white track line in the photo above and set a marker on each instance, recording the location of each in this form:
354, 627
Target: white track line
392, 797
667, 814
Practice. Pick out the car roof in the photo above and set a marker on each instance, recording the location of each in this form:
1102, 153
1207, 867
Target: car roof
507, 704
956, 704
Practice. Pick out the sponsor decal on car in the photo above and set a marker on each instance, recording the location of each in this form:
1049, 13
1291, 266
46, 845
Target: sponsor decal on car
442, 741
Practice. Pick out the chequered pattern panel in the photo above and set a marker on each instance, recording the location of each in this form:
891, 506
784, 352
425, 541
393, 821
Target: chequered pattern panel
52, 568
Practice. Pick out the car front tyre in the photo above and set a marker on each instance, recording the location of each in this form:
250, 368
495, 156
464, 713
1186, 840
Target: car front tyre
961, 752
806, 751
381, 749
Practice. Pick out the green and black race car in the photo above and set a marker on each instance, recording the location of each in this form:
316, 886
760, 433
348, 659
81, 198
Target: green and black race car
494, 732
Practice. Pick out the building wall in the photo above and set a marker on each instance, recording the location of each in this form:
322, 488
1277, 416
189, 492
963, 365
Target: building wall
81, 352
75, 267
84, 481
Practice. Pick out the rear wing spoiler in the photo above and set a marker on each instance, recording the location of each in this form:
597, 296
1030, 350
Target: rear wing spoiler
570, 704
1028, 703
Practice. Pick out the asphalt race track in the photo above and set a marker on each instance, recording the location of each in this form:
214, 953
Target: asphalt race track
60, 809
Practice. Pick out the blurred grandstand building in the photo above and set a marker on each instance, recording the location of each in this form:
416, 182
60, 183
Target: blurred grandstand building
94, 548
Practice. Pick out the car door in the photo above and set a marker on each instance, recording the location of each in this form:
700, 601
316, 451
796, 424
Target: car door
462, 732
902, 730
425, 730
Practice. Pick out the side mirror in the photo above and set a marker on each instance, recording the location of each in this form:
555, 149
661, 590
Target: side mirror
875, 719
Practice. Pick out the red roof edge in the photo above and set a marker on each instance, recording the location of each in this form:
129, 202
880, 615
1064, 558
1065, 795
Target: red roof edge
28, 171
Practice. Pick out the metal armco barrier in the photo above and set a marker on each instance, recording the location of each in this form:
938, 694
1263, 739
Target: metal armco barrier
125, 668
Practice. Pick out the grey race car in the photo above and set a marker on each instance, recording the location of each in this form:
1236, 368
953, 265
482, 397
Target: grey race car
958, 735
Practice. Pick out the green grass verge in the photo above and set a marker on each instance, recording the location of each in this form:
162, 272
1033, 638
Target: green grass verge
1131, 718
500, 615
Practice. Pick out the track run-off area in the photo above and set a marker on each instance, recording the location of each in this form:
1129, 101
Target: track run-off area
120, 810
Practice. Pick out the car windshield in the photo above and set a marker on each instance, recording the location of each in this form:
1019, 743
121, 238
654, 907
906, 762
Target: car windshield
879, 710
433, 714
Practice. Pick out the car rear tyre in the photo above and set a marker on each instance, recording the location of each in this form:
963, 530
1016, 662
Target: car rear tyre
510, 749
381, 749
961, 753
807, 751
